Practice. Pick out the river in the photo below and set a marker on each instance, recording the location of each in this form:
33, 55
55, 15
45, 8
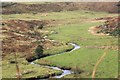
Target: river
64, 72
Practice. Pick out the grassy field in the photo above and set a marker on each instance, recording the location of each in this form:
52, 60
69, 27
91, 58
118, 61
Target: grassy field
59, 49
30, 70
76, 31
86, 57
85, 60
26, 69
63, 15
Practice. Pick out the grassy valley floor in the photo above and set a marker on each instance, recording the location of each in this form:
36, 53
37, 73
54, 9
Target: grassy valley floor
65, 27
92, 48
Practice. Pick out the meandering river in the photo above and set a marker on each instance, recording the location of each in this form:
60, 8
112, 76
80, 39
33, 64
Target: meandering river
64, 72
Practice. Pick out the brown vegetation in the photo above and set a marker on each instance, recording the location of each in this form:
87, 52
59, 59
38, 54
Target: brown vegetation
23, 37
111, 27
61, 6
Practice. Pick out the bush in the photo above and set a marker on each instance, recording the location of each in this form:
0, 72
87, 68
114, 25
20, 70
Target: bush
116, 32
39, 51
40, 26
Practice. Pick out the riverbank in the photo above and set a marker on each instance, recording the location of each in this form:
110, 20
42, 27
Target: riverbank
65, 71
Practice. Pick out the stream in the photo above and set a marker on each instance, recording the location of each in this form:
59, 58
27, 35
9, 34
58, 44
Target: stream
64, 72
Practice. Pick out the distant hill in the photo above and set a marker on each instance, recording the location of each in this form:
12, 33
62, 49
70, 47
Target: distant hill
15, 8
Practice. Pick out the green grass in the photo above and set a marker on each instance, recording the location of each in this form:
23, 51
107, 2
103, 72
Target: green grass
84, 58
75, 31
27, 70
64, 15
58, 49
81, 35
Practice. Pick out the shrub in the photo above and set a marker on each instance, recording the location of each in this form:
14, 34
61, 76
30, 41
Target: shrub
116, 32
39, 51
40, 26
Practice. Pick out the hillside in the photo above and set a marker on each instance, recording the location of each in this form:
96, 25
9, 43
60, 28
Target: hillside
17, 8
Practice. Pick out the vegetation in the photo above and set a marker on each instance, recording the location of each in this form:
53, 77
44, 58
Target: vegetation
27, 70
59, 49
63, 15
39, 51
92, 46
116, 32
32, 7
6, 4
65, 27
111, 27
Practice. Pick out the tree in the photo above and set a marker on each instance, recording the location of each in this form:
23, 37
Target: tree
39, 51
